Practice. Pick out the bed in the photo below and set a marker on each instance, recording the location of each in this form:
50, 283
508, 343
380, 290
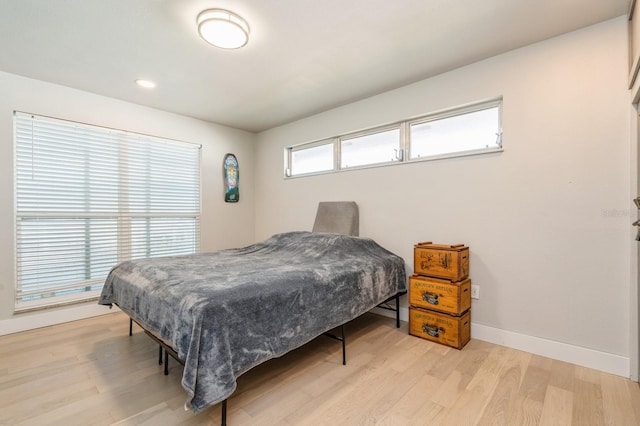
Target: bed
222, 313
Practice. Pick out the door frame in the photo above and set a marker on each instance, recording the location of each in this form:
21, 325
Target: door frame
634, 285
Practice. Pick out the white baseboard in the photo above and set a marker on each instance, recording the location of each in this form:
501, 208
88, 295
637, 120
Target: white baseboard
603, 361
44, 318
404, 313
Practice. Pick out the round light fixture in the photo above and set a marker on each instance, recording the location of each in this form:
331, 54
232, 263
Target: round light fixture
223, 28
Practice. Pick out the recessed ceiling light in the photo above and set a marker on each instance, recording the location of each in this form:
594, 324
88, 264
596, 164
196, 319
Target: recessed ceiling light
147, 84
223, 28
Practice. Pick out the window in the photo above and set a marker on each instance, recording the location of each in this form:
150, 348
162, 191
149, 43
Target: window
462, 132
310, 158
469, 130
376, 147
89, 197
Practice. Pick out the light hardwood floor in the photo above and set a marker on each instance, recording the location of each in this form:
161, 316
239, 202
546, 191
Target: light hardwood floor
91, 372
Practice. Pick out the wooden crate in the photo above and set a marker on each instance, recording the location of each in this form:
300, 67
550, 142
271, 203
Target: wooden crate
441, 261
440, 295
440, 328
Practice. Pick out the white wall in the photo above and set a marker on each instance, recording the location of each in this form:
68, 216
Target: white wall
223, 225
547, 220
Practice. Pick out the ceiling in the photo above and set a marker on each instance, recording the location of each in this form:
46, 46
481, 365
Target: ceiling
303, 56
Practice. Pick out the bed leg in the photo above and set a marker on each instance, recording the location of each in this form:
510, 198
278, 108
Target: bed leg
343, 340
224, 413
166, 362
344, 349
159, 355
397, 311
130, 326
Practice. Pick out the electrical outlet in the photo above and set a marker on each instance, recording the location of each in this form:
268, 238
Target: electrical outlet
475, 291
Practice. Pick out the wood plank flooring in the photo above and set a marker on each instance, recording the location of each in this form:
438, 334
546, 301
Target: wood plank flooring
91, 372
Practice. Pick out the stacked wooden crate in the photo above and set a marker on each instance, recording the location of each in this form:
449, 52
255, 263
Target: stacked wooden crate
440, 294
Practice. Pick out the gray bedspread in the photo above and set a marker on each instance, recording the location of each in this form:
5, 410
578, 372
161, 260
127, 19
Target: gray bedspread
227, 311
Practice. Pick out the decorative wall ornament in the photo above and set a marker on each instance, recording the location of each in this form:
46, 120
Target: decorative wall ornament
231, 171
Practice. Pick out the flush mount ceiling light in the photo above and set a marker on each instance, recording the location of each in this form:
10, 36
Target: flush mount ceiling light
223, 28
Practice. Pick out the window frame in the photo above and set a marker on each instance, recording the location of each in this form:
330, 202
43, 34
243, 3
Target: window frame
126, 236
455, 112
369, 132
405, 140
288, 152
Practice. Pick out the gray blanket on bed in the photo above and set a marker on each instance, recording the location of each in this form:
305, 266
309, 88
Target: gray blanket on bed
228, 311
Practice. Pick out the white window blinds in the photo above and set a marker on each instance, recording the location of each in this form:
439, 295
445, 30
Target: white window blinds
89, 197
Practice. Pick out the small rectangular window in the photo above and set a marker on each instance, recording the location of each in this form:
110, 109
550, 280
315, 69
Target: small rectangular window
464, 132
311, 159
372, 148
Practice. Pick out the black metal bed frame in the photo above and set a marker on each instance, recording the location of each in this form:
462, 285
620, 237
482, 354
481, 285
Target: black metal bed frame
169, 351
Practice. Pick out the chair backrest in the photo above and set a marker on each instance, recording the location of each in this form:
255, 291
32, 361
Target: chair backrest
337, 217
